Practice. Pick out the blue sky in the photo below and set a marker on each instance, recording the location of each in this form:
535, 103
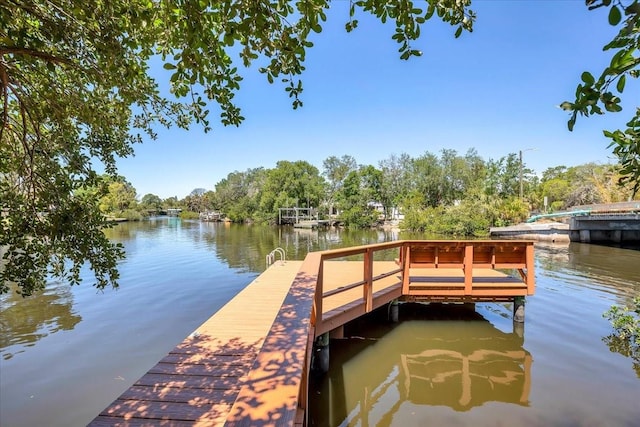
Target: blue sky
496, 90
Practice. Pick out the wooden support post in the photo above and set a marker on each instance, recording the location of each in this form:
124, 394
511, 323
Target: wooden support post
368, 281
493, 257
394, 308
321, 354
316, 312
337, 333
530, 262
303, 394
406, 262
518, 309
468, 268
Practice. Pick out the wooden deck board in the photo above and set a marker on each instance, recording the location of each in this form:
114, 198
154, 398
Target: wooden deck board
188, 381
106, 421
180, 394
195, 412
209, 359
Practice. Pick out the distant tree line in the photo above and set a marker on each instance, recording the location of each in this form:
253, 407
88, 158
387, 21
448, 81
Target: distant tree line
445, 193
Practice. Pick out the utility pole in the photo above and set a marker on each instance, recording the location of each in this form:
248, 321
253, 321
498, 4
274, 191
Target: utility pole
520, 173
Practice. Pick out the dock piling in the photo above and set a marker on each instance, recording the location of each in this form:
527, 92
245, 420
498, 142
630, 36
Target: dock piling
321, 354
518, 309
394, 309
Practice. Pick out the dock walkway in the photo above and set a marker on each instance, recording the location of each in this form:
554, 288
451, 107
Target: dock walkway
198, 381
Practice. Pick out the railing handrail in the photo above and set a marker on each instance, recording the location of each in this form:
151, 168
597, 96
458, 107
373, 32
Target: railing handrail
271, 257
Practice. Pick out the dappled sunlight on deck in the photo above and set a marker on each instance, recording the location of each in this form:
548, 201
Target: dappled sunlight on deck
198, 382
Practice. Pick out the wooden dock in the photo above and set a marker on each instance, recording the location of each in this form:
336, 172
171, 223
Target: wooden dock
312, 223
249, 363
198, 381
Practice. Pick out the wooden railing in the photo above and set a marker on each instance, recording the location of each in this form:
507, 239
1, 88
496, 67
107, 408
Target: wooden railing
276, 390
368, 279
471, 256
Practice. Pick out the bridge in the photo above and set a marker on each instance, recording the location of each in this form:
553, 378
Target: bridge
249, 364
597, 223
606, 223
603, 227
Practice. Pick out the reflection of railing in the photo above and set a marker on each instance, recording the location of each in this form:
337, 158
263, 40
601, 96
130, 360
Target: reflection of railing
434, 368
499, 370
271, 257
300, 318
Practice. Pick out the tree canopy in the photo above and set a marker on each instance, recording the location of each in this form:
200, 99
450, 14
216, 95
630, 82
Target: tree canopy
77, 94
76, 91
597, 96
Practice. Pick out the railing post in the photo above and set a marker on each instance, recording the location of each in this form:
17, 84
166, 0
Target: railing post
368, 281
530, 261
468, 268
406, 261
316, 310
303, 393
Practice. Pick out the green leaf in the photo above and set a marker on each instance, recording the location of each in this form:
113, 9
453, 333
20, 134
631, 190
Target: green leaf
614, 15
567, 106
621, 82
169, 66
572, 121
588, 78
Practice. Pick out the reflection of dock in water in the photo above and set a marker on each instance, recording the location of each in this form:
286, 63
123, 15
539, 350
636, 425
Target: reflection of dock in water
481, 376
466, 366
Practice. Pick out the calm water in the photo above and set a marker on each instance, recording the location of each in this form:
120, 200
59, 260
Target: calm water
66, 353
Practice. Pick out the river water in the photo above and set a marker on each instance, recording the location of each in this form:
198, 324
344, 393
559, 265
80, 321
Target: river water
67, 352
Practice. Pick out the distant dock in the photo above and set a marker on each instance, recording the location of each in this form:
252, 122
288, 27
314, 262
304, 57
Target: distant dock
555, 232
313, 223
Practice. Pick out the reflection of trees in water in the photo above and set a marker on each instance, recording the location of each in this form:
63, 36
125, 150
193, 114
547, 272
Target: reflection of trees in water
456, 359
626, 348
609, 265
553, 259
243, 247
247, 246
605, 267
602, 266
552, 256
26, 320
129, 230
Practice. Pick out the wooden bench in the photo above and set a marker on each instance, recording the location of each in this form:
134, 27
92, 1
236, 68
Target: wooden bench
467, 270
